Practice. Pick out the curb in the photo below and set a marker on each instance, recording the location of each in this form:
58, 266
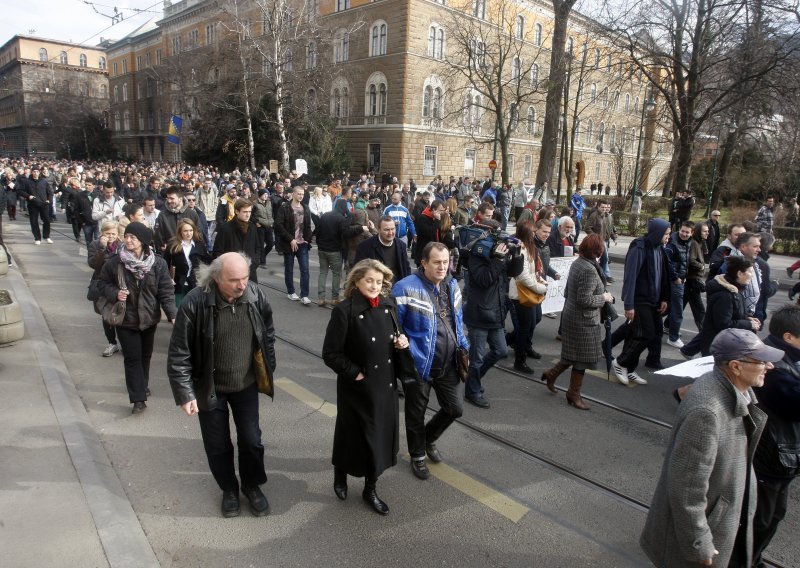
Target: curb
118, 528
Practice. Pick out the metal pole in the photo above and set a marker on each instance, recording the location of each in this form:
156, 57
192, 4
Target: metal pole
713, 174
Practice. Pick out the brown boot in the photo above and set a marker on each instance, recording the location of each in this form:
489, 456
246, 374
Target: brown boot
574, 392
552, 374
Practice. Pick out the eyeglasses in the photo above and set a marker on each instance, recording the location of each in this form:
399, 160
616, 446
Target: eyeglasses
191, 200
759, 363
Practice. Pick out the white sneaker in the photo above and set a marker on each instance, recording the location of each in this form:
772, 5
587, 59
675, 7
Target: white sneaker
635, 378
49, 241
677, 344
293, 297
111, 349
305, 300
621, 374
37, 242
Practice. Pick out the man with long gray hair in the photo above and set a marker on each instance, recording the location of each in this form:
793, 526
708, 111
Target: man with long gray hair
221, 355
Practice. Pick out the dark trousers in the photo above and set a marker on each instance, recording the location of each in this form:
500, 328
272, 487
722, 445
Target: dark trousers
526, 323
36, 211
653, 350
12, 210
215, 428
449, 394
110, 331
645, 329
773, 500
91, 231
268, 238
137, 349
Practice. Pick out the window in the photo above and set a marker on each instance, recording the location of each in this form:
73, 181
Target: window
601, 134
127, 120
125, 92
436, 42
473, 112
82, 60
627, 102
83, 89
103, 91
374, 156
124, 66
636, 105
531, 121
102, 63
194, 39
616, 100
376, 98
589, 132
141, 120
477, 54
115, 69
342, 5
537, 34
313, 10
593, 94
378, 43
116, 93
612, 138
117, 122
510, 166
211, 32
516, 69
469, 162
62, 58
341, 46
162, 120
604, 98
311, 55
597, 58
513, 117
534, 76
526, 166
579, 95
597, 170
584, 52
42, 54
609, 63
151, 120
479, 9
429, 162
520, 26
176, 45
577, 131
311, 100
288, 60
158, 57
138, 62
427, 97
139, 91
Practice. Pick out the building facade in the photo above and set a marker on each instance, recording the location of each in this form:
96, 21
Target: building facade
46, 88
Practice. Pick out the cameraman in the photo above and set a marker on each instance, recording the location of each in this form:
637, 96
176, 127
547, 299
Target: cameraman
484, 310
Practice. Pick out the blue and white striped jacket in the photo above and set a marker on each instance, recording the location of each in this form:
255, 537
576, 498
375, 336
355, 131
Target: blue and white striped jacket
418, 319
401, 216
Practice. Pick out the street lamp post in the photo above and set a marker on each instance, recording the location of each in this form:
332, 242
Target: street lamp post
646, 107
731, 129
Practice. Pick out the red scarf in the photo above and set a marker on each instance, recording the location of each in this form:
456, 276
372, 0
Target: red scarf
429, 214
373, 302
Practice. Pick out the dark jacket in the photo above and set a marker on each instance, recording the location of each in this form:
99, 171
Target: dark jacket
333, 228
487, 280
39, 190
778, 452
678, 255
146, 297
184, 272
544, 256
556, 244
231, 239
359, 339
428, 230
725, 310
768, 286
83, 207
167, 224
697, 266
639, 285
190, 358
712, 241
284, 227
372, 248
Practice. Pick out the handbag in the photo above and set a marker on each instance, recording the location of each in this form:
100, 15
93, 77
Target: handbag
528, 297
113, 312
404, 366
93, 293
263, 375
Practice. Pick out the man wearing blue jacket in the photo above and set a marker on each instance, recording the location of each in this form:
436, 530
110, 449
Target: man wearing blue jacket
645, 292
404, 224
578, 204
429, 314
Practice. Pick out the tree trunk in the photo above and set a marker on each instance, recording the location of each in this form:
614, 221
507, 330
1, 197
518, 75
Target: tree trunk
720, 186
555, 92
683, 166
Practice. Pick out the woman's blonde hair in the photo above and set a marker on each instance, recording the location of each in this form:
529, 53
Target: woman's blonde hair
317, 191
108, 225
360, 270
175, 241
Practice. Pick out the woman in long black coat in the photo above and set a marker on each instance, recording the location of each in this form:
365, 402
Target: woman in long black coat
185, 252
360, 345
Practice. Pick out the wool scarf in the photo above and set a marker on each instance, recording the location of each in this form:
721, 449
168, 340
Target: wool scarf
139, 267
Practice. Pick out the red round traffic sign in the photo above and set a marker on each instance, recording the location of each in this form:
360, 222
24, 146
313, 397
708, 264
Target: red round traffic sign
493, 165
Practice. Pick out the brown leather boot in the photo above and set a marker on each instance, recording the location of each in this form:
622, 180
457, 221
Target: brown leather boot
550, 376
574, 392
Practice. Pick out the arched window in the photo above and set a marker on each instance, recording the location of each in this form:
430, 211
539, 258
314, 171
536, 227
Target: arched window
616, 100
42, 54
604, 97
537, 34
62, 58
636, 105
531, 121
577, 131
103, 91
597, 58
513, 117
593, 93
378, 43
82, 60
382, 99
479, 9
339, 100
311, 55
102, 63
426, 101
627, 102
437, 103
116, 93
472, 111
601, 134
341, 46
376, 97
125, 92
612, 138
117, 122
520, 26
127, 120
516, 69
534, 76
589, 132
477, 54
311, 100
436, 41
570, 46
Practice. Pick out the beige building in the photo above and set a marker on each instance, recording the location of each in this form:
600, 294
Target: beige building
384, 71
45, 86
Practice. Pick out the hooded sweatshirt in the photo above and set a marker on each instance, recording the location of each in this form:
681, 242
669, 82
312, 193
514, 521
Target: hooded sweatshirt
646, 278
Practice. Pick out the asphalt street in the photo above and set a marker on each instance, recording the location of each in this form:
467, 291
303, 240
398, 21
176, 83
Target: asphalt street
529, 482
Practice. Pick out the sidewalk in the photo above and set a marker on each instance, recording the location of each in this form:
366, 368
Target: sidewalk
61, 502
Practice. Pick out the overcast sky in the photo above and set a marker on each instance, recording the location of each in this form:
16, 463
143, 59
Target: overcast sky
74, 20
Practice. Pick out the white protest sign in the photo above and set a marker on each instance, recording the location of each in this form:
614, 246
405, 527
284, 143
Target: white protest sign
692, 369
301, 166
554, 301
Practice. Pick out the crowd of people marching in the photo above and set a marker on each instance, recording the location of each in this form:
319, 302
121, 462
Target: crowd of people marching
188, 242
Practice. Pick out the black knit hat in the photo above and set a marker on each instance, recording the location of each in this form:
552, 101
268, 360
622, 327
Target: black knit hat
141, 232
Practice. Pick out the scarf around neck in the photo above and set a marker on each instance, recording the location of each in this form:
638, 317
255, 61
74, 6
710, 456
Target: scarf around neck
139, 267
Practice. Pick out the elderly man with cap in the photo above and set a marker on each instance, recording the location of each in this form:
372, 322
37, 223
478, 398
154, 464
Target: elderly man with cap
703, 507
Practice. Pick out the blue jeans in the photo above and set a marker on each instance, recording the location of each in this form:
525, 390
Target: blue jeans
486, 347
288, 269
505, 211
675, 310
604, 261
91, 232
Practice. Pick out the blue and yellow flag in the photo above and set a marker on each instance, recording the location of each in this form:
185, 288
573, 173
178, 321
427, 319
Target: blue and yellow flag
175, 125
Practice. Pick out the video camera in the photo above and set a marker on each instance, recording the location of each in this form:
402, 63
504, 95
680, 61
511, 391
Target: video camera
483, 240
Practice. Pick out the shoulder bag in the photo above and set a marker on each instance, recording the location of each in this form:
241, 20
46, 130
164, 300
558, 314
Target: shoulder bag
527, 297
113, 312
405, 368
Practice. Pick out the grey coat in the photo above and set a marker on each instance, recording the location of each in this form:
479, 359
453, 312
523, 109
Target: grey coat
580, 322
699, 499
